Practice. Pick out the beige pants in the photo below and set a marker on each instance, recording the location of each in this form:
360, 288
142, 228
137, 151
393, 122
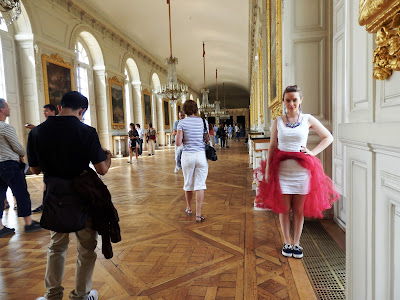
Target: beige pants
152, 147
56, 256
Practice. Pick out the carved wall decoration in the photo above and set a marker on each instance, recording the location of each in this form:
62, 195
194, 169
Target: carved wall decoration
383, 17
276, 110
274, 40
261, 83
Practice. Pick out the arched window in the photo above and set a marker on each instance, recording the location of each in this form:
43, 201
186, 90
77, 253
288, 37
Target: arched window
82, 76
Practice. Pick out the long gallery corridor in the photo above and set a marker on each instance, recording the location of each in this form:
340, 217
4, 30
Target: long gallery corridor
164, 254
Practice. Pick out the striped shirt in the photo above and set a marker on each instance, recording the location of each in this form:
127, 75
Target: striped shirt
193, 129
10, 148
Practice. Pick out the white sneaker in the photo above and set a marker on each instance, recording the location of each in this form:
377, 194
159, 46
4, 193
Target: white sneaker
41, 298
176, 170
93, 295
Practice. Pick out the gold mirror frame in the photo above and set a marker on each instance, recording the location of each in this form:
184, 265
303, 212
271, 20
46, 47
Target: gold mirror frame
261, 82
165, 102
57, 60
274, 101
383, 17
112, 83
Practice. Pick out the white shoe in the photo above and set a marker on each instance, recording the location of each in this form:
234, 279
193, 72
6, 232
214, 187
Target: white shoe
41, 298
176, 170
93, 295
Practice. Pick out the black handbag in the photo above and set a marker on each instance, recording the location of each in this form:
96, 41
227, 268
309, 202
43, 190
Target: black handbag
63, 208
211, 154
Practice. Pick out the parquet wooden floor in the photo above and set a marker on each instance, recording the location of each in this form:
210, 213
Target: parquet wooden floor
164, 254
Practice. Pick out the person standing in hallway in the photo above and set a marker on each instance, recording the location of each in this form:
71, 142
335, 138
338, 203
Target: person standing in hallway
293, 179
77, 144
211, 134
215, 134
133, 142
230, 130
237, 132
12, 175
221, 133
151, 139
48, 110
140, 140
194, 161
178, 149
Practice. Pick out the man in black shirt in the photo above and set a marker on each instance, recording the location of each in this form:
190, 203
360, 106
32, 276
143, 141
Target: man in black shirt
63, 147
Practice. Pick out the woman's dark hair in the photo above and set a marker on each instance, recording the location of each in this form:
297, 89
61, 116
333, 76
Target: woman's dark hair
51, 107
132, 125
292, 89
150, 125
190, 107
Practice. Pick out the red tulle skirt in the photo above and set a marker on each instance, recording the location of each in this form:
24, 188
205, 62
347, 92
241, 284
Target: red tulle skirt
322, 192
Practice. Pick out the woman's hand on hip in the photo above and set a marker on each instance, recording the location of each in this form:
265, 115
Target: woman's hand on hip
306, 151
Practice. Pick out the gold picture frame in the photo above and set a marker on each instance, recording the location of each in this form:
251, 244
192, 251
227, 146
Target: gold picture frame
58, 78
146, 106
165, 107
117, 103
274, 53
383, 17
261, 82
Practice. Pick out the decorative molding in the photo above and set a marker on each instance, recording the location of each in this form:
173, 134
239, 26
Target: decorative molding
383, 17
276, 110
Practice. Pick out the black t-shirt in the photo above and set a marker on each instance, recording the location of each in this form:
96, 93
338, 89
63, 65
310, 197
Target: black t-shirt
63, 146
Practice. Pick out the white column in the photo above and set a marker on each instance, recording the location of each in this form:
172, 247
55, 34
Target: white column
103, 122
137, 103
29, 82
160, 120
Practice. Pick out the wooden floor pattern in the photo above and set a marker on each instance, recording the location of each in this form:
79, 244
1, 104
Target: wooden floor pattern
164, 254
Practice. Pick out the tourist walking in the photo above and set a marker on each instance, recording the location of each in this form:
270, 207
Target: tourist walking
194, 161
151, 139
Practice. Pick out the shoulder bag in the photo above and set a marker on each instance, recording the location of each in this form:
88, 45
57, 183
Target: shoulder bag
211, 154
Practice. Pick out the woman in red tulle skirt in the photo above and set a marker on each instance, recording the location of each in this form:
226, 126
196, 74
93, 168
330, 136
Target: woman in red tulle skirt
293, 179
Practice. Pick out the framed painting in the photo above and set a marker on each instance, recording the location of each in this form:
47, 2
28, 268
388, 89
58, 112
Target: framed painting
146, 104
178, 109
274, 41
117, 103
57, 77
165, 106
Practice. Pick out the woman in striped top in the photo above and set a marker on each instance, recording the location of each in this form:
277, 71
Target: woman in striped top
194, 161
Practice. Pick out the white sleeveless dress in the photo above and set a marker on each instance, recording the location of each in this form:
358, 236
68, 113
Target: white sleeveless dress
293, 178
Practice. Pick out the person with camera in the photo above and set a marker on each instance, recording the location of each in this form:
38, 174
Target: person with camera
62, 148
12, 175
194, 161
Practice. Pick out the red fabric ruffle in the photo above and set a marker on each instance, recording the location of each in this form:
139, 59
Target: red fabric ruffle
322, 191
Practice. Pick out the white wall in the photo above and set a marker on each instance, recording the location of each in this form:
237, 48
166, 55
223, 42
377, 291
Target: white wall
366, 159
306, 61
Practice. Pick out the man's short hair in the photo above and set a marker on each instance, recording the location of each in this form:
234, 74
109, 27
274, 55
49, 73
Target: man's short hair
2, 103
74, 100
51, 107
138, 125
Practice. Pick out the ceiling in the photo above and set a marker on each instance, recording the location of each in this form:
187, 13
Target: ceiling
222, 24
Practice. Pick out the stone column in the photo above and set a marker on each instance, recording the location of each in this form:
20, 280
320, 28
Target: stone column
103, 122
137, 104
29, 79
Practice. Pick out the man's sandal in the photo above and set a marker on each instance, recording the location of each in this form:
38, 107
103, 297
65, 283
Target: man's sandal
201, 219
188, 212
